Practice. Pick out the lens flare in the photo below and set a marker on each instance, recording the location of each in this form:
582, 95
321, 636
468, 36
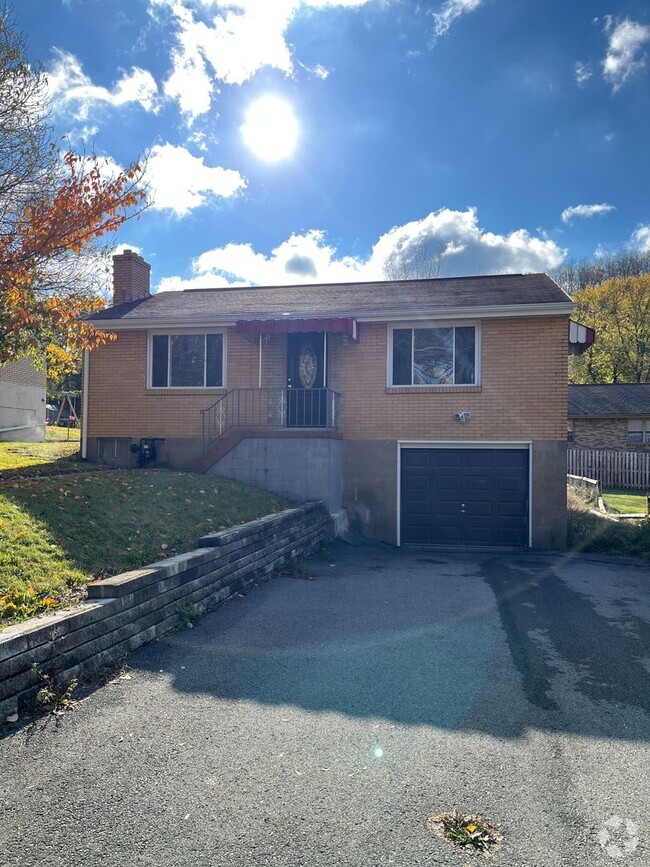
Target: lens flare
270, 129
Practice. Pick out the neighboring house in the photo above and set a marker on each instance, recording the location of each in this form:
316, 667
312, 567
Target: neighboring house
614, 416
22, 402
433, 411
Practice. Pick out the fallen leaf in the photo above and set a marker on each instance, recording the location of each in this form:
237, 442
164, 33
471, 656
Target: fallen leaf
12, 718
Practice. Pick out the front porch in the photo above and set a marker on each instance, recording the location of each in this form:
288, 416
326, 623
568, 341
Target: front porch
261, 411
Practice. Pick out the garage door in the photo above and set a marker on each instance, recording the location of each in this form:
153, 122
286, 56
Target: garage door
464, 496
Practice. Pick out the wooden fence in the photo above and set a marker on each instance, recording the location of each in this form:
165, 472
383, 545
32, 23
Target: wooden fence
613, 469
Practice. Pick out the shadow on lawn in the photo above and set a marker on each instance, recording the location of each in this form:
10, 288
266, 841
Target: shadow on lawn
58, 466
381, 636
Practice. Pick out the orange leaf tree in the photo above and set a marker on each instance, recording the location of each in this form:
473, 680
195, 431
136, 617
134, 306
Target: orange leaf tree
56, 212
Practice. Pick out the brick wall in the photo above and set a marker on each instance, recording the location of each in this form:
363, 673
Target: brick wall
23, 372
131, 278
523, 393
604, 433
120, 404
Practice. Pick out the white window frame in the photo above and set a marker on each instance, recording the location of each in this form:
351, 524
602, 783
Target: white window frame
173, 332
436, 323
644, 424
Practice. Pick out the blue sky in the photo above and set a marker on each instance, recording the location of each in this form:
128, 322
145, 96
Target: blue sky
500, 135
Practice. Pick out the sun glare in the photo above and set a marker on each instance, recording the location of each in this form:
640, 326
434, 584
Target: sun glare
270, 129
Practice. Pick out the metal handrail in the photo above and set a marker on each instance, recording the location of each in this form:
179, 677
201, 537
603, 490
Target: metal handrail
269, 408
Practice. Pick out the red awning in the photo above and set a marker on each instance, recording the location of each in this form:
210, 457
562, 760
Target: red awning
581, 337
289, 326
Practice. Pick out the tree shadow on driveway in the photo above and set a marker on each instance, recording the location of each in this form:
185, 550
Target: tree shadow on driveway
494, 644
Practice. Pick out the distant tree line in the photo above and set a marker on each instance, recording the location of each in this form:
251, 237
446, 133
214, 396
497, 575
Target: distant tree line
578, 274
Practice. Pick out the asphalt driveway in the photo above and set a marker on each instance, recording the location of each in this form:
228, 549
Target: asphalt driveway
320, 722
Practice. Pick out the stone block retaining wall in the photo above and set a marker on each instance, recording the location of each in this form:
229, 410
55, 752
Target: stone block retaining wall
126, 611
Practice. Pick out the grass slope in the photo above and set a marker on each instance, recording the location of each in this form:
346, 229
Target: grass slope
57, 454
59, 532
592, 532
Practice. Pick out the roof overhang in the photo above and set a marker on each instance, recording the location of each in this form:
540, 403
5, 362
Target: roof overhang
500, 311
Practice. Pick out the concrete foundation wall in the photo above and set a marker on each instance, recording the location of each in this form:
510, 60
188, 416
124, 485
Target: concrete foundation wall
370, 490
548, 507
126, 611
22, 407
181, 453
297, 468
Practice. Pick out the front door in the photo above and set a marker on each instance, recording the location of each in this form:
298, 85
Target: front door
306, 393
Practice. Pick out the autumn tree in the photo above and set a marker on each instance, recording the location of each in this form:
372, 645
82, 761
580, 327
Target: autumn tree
56, 211
619, 310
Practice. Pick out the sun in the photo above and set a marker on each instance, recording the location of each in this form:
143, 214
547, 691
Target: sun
270, 129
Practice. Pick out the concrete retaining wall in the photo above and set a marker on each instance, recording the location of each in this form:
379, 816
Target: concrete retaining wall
126, 611
300, 468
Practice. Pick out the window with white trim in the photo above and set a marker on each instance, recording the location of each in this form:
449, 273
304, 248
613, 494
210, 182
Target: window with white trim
434, 355
638, 430
187, 360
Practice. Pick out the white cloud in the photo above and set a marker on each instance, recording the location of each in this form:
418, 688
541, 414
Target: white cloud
108, 167
230, 42
181, 182
319, 70
122, 247
623, 58
641, 238
583, 72
465, 248
73, 92
449, 12
585, 211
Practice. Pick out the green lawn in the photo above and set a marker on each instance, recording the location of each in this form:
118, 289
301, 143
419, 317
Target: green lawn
56, 454
624, 502
59, 532
54, 433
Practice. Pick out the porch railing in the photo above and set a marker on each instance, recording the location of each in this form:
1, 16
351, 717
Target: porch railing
269, 409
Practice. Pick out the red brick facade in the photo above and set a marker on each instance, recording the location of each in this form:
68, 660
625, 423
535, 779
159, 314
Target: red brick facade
522, 394
604, 433
521, 398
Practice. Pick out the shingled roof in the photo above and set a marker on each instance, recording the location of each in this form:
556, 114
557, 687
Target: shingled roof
617, 400
340, 299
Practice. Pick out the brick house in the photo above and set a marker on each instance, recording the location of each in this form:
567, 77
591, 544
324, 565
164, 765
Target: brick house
22, 402
610, 416
431, 411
